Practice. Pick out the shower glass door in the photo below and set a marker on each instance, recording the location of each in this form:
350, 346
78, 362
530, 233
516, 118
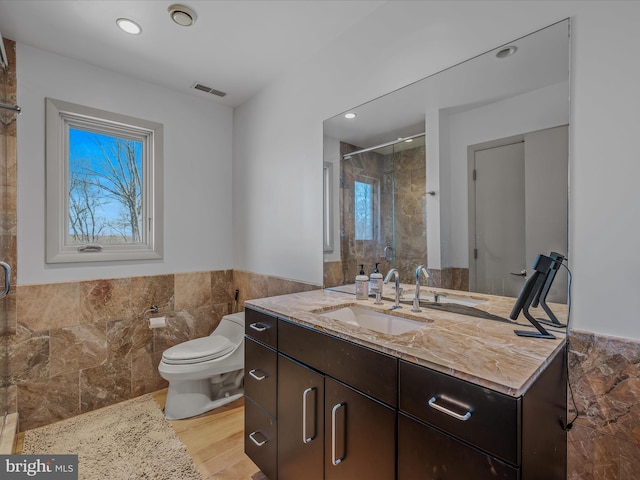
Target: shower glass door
382, 199
8, 113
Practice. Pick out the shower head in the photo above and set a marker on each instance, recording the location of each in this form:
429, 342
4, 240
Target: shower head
4, 63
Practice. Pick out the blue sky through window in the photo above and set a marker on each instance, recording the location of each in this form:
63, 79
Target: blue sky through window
363, 194
105, 188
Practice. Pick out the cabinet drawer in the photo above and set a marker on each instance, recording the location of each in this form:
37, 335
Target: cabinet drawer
424, 452
477, 415
367, 370
260, 438
261, 374
261, 327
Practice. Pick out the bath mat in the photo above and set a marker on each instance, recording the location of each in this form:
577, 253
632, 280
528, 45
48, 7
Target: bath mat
130, 440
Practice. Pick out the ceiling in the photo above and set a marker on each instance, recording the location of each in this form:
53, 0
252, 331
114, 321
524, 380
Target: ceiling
237, 47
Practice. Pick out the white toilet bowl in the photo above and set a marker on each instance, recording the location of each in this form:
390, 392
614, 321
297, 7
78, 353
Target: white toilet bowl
205, 373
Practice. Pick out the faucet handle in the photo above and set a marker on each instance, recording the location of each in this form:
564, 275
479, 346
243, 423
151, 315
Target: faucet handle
416, 305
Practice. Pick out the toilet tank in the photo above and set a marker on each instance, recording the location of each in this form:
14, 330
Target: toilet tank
232, 327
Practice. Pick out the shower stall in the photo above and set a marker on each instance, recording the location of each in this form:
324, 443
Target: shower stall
8, 113
382, 195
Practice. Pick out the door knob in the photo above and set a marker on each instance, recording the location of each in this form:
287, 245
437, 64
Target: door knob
523, 273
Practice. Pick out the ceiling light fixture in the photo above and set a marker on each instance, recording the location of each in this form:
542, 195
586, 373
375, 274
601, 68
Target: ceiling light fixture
183, 16
350, 115
507, 51
129, 26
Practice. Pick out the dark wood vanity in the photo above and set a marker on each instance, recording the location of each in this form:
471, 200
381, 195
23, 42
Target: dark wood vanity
322, 407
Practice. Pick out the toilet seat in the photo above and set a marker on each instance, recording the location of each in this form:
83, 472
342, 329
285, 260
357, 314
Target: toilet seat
198, 350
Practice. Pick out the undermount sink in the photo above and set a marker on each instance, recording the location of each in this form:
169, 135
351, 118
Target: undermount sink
466, 301
373, 320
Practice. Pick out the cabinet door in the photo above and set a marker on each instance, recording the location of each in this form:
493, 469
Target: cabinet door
426, 453
360, 435
301, 421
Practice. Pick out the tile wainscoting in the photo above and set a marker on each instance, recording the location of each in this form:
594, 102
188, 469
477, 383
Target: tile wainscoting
79, 346
604, 443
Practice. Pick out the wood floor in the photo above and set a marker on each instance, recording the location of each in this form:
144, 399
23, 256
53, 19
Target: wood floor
215, 441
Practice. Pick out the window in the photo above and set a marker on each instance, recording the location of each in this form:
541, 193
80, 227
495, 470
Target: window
364, 208
104, 185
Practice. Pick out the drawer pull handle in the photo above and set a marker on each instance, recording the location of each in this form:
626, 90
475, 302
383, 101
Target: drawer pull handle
258, 442
305, 395
258, 327
257, 376
334, 458
440, 408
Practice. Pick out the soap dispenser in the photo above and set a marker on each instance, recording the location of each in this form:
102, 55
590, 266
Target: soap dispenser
362, 285
375, 280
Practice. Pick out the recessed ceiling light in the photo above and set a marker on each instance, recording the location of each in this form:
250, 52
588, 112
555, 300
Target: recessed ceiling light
507, 51
350, 115
129, 26
182, 15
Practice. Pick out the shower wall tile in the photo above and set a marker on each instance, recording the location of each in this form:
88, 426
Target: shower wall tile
42, 307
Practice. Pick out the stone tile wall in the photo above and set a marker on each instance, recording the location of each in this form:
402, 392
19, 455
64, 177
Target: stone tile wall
84, 345
79, 346
604, 443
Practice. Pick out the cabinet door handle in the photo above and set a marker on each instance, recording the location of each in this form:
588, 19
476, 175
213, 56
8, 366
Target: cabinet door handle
258, 442
432, 403
258, 377
259, 327
334, 457
305, 395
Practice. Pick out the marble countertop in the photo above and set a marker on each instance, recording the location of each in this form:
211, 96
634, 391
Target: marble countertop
483, 351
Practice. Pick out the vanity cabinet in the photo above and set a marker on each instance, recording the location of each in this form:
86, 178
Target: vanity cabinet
345, 411
260, 387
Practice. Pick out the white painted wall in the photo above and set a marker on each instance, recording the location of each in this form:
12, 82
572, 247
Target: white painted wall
547, 107
277, 181
197, 167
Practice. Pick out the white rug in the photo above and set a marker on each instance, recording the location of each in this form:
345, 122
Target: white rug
130, 440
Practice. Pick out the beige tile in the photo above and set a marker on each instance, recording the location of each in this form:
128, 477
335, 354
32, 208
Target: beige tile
192, 290
104, 300
152, 290
48, 400
45, 307
76, 348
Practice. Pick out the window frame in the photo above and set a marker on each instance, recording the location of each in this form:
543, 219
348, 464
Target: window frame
60, 117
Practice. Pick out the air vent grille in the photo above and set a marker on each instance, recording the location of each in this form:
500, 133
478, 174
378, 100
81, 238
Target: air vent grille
204, 88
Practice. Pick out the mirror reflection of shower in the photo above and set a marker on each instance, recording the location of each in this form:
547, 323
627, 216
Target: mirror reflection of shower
382, 194
8, 111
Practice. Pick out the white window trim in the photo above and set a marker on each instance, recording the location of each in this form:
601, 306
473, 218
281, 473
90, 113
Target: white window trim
60, 116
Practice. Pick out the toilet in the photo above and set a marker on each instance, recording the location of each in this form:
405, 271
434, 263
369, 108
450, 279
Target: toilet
205, 373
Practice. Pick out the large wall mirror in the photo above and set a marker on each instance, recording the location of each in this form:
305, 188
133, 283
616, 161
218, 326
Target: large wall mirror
465, 171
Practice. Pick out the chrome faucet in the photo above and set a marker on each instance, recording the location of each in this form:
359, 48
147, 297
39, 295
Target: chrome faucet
394, 271
416, 300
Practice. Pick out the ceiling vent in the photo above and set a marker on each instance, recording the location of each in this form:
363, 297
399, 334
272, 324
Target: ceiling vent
204, 88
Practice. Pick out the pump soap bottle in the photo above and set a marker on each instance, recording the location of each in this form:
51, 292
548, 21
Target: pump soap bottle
362, 285
375, 280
